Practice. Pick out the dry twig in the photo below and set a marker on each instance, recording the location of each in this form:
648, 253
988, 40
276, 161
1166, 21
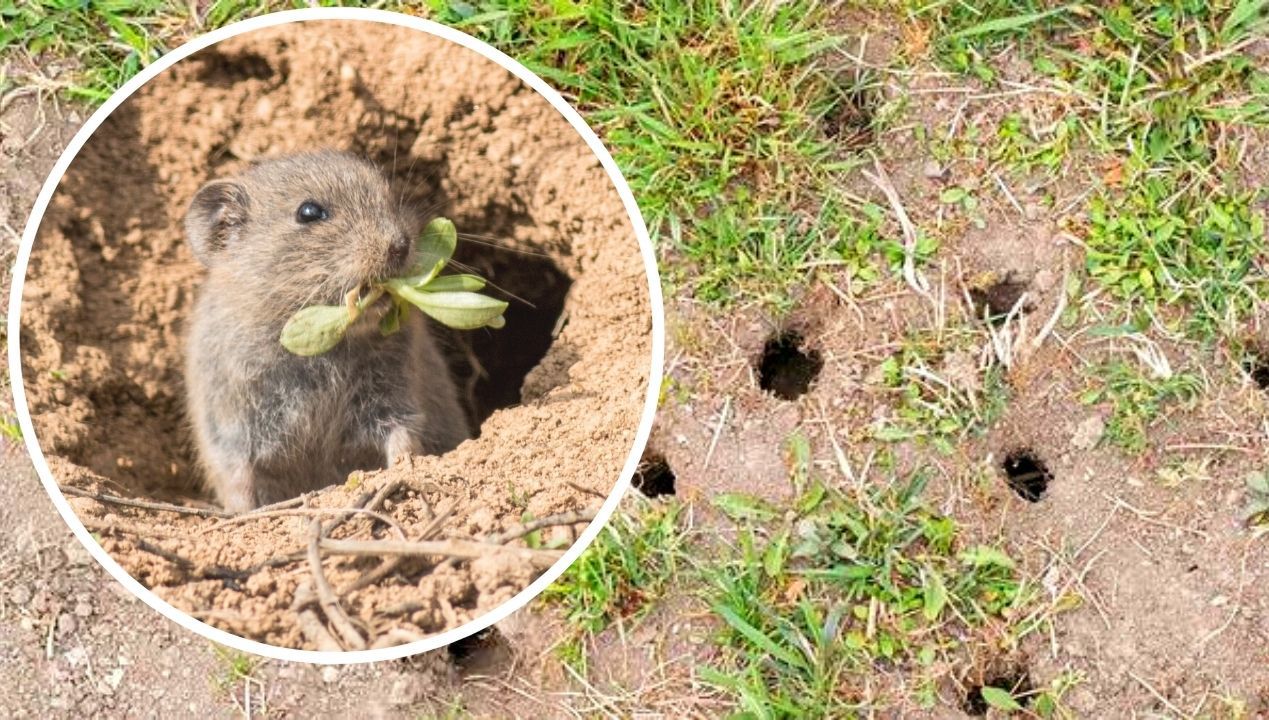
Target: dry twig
329, 602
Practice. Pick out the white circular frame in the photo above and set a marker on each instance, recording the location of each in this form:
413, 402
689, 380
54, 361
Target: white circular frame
435, 641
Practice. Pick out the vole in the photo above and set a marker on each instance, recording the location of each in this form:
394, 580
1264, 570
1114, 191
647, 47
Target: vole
286, 233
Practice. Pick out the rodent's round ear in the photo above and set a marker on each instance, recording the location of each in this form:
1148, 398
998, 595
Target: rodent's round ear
215, 217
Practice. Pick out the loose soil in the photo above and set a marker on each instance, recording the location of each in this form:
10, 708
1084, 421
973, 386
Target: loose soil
557, 393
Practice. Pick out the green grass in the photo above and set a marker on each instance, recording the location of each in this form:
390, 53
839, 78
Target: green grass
621, 575
1164, 88
1138, 399
931, 405
111, 39
1156, 243
713, 110
234, 667
816, 598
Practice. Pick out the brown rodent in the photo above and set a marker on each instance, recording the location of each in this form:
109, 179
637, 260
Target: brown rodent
269, 425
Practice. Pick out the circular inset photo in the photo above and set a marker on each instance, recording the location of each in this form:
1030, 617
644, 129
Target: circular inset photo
337, 335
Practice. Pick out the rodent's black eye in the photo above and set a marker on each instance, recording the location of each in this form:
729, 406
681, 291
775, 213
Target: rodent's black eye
310, 211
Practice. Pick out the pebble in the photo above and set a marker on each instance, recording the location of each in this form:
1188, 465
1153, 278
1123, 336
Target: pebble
330, 674
20, 595
933, 170
83, 609
1089, 433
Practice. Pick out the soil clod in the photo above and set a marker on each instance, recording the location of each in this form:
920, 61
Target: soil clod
654, 477
785, 369
1027, 475
997, 299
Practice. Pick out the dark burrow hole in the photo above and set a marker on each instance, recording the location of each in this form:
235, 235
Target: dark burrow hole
1027, 475
996, 300
1017, 684
481, 653
1256, 363
654, 477
489, 366
785, 369
850, 122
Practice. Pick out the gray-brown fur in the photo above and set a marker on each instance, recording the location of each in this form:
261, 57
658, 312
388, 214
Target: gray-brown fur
270, 425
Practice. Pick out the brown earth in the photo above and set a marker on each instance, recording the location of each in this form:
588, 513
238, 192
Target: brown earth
111, 282
1170, 587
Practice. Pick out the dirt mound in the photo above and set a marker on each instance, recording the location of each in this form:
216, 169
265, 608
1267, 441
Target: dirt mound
557, 393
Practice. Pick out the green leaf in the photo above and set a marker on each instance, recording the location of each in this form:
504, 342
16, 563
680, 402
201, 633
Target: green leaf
1006, 24
983, 556
315, 329
1258, 482
459, 310
434, 249
935, 595
756, 636
773, 557
455, 283
738, 506
1000, 699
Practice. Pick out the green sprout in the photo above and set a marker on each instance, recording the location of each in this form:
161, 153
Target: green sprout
452, 300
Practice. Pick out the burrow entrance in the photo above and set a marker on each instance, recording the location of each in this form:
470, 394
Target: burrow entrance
997, 298
1016, 683
654, 477
1256, 364
1027, 475
851, 121
481, 653
785, 368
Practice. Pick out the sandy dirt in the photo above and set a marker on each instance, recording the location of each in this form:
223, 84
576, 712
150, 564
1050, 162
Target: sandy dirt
111, 284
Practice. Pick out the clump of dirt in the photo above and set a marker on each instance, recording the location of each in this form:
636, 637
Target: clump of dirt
557, 393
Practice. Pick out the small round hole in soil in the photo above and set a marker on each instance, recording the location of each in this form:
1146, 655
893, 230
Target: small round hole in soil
850, 122
1257, 366
998, 299
785, 369
654, 477
1017, 685
479, 653
1027, 475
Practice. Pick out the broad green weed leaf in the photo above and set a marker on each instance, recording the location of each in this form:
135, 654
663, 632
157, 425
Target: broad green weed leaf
315, 329
459, 310
1000, 699
455, 283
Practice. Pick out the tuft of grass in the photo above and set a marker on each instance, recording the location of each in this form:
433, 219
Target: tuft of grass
11, 429
813, 600
1137, 400
235, 667
1163, 88
621, 575
716, 112
931, 404
112, 40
